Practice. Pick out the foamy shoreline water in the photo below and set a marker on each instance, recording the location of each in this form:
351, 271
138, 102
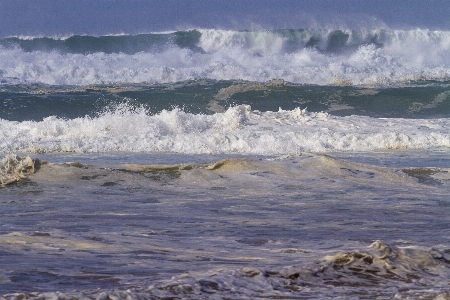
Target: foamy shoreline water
292, 226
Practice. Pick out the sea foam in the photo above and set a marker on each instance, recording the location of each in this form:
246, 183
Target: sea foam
238, 130
13, 168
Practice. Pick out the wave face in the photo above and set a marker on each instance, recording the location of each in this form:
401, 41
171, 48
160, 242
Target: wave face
127, 44
377, 56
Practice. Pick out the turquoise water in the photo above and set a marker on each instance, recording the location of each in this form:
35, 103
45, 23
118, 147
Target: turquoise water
413, 100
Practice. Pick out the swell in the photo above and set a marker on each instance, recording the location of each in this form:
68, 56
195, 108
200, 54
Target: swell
127, 44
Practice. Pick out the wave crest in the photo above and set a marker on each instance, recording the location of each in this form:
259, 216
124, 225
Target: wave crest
376, 56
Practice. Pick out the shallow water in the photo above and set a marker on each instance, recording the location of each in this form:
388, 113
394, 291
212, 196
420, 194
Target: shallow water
294, 226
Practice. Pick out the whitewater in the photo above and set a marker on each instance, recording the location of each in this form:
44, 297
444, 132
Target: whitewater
237, 130
226, 164
373, 57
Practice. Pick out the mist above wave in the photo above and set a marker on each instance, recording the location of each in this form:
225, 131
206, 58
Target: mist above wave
299, 56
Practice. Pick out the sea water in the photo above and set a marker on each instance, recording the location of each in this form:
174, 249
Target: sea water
226, 164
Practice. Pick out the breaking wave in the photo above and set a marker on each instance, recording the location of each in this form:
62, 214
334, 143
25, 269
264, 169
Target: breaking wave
377, 56
238, 130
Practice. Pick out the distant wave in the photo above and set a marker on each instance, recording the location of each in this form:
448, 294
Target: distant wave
127, 44
377, 56
261, 42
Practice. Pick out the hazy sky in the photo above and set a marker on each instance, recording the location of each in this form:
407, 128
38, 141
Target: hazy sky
63, 17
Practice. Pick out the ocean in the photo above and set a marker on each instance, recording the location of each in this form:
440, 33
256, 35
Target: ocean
225, 164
